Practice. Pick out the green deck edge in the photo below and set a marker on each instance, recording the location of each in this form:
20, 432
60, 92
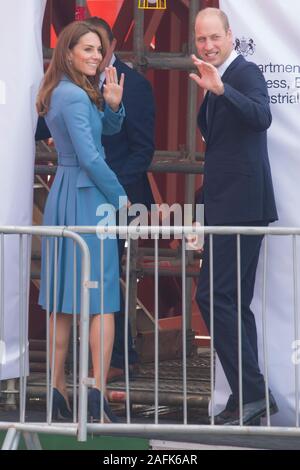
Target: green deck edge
58, 442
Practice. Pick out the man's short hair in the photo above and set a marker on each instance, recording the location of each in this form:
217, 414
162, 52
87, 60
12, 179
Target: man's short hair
216, 11
101, 23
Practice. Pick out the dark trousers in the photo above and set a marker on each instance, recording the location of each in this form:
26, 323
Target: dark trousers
225, 309
118, 354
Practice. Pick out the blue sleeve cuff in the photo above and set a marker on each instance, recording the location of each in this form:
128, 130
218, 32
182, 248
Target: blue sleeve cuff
120, 112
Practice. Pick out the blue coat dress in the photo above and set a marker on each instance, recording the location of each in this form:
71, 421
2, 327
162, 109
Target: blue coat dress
83, 182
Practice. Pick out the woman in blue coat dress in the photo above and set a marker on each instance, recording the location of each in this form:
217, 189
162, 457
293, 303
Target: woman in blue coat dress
74, 111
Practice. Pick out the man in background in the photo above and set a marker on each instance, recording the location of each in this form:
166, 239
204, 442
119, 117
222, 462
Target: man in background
129, 154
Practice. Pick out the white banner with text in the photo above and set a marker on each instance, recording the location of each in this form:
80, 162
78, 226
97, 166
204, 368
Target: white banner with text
21, 70
267, 32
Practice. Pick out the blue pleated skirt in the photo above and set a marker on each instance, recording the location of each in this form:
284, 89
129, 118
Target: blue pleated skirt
68, 204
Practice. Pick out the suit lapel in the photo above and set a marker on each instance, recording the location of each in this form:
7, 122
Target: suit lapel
212, 99
206, 114
237, 61
202, 118
117, 64
211, 104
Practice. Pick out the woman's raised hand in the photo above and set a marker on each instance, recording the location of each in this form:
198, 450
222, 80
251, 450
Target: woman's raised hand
113, 89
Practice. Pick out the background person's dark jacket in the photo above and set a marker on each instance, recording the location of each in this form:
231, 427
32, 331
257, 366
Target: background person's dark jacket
129, 153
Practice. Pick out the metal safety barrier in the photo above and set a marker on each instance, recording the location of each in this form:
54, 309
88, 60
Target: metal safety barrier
186, 431
178, 431
22, 236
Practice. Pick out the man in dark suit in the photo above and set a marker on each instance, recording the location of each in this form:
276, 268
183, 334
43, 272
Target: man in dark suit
237, 191
129, 154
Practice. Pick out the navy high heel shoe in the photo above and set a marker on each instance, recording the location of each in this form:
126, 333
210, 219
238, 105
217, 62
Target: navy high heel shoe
94, 403
60, 408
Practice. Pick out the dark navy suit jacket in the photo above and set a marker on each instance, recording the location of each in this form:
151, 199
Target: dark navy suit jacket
129, 152
237, 177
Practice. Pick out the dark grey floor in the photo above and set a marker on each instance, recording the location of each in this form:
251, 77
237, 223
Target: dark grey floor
170, 404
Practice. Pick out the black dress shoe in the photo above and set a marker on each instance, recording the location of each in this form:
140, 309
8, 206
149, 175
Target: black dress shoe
253, 411
94, 403
226, 416
60, 409
114, 373
230, 411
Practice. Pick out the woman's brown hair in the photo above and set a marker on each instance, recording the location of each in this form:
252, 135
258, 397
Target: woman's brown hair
60, 65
